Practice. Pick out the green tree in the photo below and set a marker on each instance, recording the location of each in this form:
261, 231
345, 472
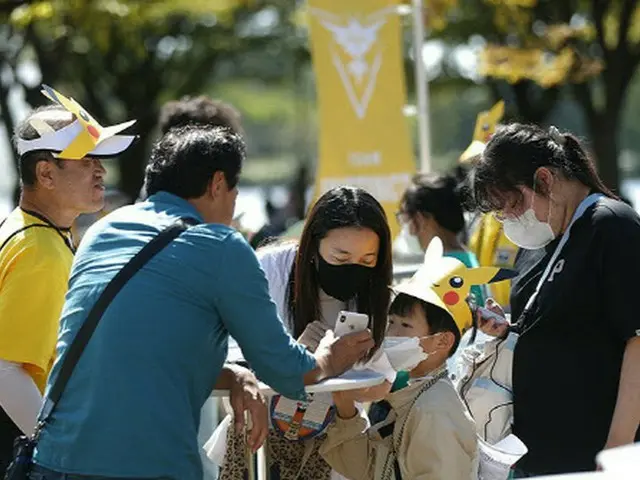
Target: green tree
536, 49
122, 59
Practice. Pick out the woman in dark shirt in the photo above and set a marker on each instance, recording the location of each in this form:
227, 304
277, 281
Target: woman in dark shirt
575, 377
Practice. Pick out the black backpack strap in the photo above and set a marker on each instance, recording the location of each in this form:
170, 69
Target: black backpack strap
33, 225
378, 413
111, 290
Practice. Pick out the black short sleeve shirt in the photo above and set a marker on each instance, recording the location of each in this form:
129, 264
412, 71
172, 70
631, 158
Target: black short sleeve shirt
567, 361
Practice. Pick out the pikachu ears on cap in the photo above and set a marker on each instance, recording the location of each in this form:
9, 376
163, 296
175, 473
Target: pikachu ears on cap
420, 285
486, 124
439, 269
83, 137
451, 281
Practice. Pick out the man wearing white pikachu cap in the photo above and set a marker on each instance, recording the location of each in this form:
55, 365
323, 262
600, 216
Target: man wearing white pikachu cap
61, 177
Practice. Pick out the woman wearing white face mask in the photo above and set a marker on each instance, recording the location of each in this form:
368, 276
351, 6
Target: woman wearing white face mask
575, 378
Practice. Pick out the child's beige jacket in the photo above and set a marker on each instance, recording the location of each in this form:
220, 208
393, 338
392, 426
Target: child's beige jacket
435, 439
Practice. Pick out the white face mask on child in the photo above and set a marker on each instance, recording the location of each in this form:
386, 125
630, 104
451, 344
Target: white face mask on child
404, 353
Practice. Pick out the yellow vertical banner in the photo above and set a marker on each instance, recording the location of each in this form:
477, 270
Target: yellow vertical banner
358, 62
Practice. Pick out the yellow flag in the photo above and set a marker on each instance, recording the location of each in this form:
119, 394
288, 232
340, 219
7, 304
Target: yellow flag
364, 137
486, 124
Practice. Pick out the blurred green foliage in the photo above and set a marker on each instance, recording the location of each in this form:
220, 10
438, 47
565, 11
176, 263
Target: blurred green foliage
123, 59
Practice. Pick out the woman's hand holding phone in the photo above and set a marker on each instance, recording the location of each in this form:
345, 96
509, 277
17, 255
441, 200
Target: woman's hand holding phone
492, 320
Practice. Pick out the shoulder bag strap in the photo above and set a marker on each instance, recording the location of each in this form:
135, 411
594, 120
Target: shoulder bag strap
111, 290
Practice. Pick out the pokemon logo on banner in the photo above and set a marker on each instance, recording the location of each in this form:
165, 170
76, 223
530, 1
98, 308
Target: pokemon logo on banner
364, 137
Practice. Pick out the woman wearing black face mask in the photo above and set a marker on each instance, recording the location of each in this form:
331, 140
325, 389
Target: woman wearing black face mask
342, 262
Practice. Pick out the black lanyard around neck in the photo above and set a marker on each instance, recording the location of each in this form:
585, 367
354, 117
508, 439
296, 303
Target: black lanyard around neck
47, 224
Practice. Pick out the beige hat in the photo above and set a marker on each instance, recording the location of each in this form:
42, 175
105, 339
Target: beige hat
446, 283
83, 137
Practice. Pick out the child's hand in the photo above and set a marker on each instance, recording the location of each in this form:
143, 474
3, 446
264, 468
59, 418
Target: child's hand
371, 394
345, 403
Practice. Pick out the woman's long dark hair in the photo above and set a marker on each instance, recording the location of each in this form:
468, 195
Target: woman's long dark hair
516, 152
341, 207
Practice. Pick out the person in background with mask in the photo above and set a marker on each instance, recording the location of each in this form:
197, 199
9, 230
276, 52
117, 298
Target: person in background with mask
342, 262
576, 381
431, 207
425, 431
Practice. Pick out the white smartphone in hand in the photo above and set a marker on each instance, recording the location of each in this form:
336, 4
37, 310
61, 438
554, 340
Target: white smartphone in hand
491, 315
350, 322
492, 323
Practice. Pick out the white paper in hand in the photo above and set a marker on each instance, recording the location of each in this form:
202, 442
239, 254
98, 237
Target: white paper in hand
621, 461
379, 363
495, 461
216, 446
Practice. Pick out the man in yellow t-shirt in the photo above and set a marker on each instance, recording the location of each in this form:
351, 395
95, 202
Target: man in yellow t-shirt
35, 260
61, 177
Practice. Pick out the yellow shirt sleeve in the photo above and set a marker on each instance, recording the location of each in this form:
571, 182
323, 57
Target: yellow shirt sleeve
35, 273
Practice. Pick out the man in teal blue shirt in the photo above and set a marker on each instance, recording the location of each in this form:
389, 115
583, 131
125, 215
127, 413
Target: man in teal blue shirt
131, 408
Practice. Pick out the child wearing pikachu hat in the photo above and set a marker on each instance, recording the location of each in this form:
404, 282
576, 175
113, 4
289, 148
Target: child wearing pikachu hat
452, 282
422, 430
482, 369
